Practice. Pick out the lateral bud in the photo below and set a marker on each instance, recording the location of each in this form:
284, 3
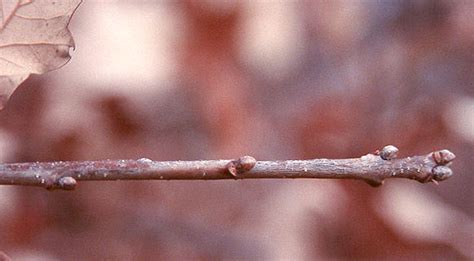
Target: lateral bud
243, 164
67, 183
389, 152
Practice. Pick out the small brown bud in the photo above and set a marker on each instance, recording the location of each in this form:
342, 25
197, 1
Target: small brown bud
246, 163
243, 164
389, 152
441, 173
67, 183
443, 157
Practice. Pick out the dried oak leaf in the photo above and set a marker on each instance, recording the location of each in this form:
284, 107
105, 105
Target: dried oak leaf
34, 38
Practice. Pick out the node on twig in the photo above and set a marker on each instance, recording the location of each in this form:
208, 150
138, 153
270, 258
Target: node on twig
243, 164
67, 183
389, 152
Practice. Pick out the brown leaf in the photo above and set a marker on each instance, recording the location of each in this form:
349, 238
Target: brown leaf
34, 38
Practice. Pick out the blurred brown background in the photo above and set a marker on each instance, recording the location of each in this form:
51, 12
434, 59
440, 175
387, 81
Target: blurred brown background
276, 80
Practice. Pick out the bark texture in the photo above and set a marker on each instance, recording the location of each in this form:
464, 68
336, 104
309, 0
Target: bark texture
372, 168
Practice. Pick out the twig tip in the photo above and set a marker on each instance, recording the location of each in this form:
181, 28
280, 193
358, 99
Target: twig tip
443, 157
441, 173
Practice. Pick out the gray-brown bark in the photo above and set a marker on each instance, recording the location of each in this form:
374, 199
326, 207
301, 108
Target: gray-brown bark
372, 168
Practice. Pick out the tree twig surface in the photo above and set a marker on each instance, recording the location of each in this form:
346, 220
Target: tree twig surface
373, 168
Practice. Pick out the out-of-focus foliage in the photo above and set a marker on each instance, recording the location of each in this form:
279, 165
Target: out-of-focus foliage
275, 80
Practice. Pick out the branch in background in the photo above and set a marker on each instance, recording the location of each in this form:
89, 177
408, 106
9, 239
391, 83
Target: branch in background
4, 257
372, 168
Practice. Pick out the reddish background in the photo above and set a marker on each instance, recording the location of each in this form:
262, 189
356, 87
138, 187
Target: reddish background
332, 79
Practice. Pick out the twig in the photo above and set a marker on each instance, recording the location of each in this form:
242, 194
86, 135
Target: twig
372, 168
